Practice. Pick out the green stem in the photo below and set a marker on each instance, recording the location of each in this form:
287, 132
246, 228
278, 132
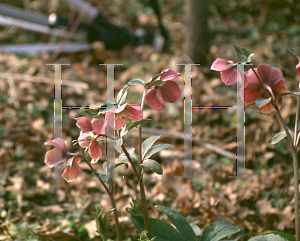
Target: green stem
112, 200
294, 155
141, 184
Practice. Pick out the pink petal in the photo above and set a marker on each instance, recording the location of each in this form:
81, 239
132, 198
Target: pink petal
95, 150
268, 74
84, 124
221, 65
155, 100
119, 122
298, 68
252, 92
170, 91
72, 174
169, 74
82, 139
229, 77
50, 161
59, 143
98, 126
134, 112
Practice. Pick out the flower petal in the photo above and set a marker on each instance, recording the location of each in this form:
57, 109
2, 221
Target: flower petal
82, 139
229, 77
169, 74
98, 126
50, 160
134, 112
155, 100
170, 91
95, 149
84, 124
72, 174
298, 68
268, 74
221, 65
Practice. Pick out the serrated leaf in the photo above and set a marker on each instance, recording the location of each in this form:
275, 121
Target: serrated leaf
260, 102
268, 237
148, 143
218, 230
242, 53
153, 165
286, 93
137, 82
155, 149
118, 144
180, 223
121, 97
161, 230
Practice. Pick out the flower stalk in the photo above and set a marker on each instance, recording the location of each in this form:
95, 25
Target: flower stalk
292, 146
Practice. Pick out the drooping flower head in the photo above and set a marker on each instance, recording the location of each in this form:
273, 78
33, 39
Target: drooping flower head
50, 160
168, 91
228, 71
122, 114
88, 136
271, 77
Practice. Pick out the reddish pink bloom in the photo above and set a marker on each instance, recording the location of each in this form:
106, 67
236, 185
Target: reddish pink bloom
88, 136
298, 68
271, 77
123, 113
69, 174
168, 91
228, 71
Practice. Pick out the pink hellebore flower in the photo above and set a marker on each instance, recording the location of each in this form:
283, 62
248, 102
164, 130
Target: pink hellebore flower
228, 71
88, 136
69, 174
168, 91
298, 68
123, 113
271, 77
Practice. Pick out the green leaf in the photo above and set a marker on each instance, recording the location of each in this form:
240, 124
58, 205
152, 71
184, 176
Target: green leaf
218, 230
131, 125
294, 52
180, 223
70, 162
147, 144
260, 102
155, 149
243, 54
159, 229
196, 229
286, 93
286, 236
137, 82
133, 156
268, 237
153, 165
121, 97
136, 207
123, 131
156, 83
102, 221
118, 144
280, 136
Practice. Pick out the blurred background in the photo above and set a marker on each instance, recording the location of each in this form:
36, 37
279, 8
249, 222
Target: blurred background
35, 208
